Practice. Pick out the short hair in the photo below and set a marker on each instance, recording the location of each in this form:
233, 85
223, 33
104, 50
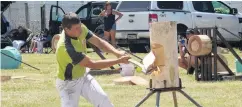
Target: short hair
193, 31
69, 20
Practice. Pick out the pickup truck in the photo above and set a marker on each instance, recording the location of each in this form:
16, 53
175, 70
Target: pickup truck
133, 27
88, 13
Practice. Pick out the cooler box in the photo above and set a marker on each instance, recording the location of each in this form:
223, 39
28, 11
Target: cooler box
238, 66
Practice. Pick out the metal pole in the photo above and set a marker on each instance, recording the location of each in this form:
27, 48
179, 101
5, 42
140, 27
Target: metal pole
20, 61
27, 14
145, 98
57, 4
158, 99
174, 98
189, 98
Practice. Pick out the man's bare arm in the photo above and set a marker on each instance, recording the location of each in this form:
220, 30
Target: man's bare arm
105, 46
87, 62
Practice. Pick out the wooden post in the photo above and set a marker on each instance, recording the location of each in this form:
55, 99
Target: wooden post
27, 15
163, 39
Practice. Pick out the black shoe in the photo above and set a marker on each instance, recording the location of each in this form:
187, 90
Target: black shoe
190, 70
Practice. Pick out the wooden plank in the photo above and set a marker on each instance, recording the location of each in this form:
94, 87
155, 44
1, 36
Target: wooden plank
202, 68
17, 77
196, 68
215, 53
210, 67
205, 68
225, 66
229, 47
130, 80
163, 40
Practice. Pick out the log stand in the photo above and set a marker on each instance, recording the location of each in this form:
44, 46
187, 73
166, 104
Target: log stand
204, 72
160, 90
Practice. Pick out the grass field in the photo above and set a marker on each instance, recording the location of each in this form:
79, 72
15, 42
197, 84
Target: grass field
41, 91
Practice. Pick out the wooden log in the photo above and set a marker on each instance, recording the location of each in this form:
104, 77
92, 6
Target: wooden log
163, 39
199, 45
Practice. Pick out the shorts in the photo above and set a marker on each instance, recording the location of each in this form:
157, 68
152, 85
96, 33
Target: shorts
107, 29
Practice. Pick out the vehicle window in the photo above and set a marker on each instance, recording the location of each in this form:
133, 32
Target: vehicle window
203, 6
220, 7
96, 10
170, 4
83, 13
134, 6
57, 15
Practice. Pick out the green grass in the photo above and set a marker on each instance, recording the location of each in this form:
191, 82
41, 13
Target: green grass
42, 92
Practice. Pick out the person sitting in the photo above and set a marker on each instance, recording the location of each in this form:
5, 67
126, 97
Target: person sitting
188, 62
38, 41
20, 37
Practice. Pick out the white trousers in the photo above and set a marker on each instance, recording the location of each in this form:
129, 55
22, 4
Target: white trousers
87, 87
18, 43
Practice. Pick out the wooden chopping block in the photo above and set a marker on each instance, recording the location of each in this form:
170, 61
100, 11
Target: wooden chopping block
130, 80
163, 40
5, 78
199, 45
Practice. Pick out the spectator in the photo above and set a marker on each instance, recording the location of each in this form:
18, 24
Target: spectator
110, 22
188, 62
39, 41
20, 37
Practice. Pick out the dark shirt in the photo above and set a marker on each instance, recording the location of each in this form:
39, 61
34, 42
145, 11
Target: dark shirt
109, 20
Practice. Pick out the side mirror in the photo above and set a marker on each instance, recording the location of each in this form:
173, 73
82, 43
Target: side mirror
234, 11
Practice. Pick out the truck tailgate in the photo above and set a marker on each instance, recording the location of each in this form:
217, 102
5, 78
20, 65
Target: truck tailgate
134, 21
178, 16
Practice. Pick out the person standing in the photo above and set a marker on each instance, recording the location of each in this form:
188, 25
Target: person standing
110, 22
73, 64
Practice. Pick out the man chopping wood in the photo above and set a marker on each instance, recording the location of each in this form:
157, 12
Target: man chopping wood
73, 79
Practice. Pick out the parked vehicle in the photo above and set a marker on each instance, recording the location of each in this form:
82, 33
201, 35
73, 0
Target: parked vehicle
133, 27
5, 40
88, 13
